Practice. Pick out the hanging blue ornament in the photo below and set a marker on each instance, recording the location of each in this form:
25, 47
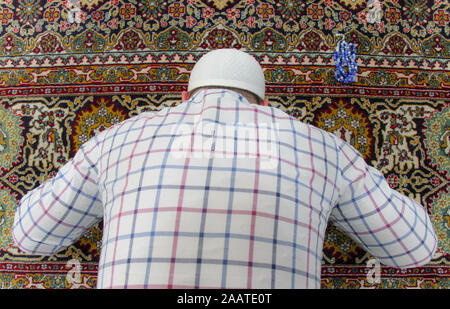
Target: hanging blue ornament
345, 58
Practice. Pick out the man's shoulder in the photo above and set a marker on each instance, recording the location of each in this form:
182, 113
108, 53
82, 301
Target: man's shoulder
289, 121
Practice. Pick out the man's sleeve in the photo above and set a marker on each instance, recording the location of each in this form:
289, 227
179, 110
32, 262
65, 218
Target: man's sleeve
392, 227
54, 215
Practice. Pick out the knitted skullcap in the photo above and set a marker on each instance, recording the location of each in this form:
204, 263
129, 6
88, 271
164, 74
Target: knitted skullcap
228, 68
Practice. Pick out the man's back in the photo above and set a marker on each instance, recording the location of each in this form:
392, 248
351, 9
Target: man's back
213, 219
219, 193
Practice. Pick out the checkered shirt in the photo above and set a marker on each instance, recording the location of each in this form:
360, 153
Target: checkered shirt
182, 208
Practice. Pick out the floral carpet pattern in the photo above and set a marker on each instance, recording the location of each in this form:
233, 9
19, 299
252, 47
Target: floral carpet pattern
70, 69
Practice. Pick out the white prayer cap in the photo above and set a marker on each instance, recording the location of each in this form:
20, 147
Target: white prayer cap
228, 68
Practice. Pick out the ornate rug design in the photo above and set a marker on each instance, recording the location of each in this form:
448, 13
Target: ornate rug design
69, 69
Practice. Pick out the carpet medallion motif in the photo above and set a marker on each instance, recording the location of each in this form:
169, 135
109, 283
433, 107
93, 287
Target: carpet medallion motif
437, 139
71, 68
11, 139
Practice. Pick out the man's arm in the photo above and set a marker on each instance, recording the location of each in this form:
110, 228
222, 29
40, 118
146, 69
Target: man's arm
392, 227
59, 211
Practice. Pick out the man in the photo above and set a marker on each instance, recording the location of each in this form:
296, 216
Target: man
221, 191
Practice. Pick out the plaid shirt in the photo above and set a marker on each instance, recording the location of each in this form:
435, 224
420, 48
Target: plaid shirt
220, 193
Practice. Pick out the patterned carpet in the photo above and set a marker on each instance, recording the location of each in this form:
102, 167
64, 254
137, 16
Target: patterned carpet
70, 69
